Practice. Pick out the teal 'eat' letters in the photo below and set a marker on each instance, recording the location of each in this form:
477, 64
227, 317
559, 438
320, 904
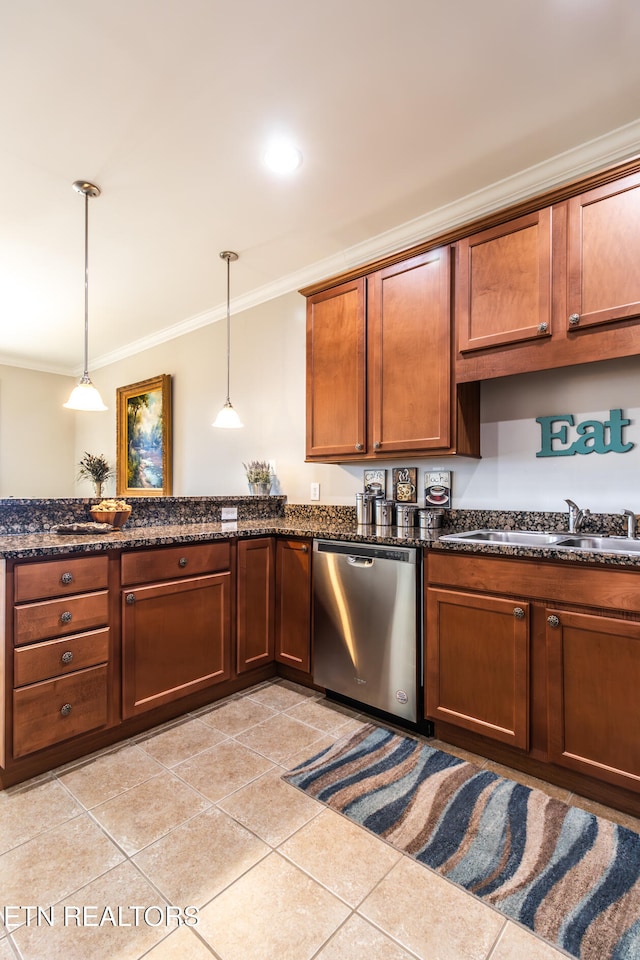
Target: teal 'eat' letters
593, 436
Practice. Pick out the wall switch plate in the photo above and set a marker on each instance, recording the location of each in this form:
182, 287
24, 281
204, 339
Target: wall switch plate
315, 491
229, 513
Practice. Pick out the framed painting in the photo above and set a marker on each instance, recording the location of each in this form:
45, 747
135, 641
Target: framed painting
375, 481
144, 455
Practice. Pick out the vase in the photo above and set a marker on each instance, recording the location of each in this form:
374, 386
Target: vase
98, 485
260, 489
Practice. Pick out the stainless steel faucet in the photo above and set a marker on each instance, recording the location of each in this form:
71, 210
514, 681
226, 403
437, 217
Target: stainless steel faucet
576, 516
632, 523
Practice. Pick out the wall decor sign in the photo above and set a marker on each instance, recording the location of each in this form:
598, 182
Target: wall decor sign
144, 455
437, 488
591, 436
375, 481
405, 484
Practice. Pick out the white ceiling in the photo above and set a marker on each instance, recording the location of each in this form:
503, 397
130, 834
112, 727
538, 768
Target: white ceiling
400, 109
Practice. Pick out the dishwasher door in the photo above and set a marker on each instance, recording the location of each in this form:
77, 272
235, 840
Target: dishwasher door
365, 624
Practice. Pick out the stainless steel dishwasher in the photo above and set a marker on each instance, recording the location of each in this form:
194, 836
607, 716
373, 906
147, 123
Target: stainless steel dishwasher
366, 612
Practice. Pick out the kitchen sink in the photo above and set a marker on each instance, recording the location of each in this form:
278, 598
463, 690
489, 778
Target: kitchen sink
602, 544
557, 540
523, 538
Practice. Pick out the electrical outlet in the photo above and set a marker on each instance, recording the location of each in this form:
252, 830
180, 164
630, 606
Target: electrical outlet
229, 513
315, 491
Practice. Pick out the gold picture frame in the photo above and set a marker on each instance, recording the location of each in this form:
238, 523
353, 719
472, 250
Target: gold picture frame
144, 452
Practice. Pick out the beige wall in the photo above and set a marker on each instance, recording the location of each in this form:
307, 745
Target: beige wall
37, 453
267, 389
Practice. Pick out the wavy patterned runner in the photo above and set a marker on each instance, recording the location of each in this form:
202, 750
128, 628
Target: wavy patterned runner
569, 876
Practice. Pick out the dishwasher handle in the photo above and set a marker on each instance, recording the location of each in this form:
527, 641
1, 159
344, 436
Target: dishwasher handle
360, 561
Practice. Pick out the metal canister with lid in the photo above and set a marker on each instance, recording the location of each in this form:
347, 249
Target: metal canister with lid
406, 515
364, 508
384, 512
430, 521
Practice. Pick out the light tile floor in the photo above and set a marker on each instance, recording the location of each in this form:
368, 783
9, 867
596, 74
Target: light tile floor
195, 814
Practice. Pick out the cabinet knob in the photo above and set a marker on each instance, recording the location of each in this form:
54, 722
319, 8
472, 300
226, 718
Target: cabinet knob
67, 656
182, 562
65, 710
304, 548
377, 445
543, 327
66, 617
553, 621
66, 578
574, 319
130, 598
359, 446
518, 613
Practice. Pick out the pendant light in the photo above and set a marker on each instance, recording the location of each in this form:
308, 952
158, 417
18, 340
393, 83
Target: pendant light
85, 396
227, 417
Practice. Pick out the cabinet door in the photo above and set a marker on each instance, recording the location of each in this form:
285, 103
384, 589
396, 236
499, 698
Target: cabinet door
503, 283
603, 254
175, 640
409, 354
255, 603
477, 664
293, 604
336, 371
594, 678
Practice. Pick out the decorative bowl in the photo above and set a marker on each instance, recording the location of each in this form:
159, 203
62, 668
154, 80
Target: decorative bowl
117, 518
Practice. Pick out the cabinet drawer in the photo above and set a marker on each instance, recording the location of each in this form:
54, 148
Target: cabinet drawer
57, 578
40, 661
167, 563
46, 713
58, 618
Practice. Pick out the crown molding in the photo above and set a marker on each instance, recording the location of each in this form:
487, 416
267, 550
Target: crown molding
611, 148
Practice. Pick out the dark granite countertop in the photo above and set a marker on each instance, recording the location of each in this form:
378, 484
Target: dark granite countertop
46, 544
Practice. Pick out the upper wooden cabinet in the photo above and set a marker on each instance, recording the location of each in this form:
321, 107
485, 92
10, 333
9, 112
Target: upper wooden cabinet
552, 288
603, 253
503, 283
379, 366
336, 371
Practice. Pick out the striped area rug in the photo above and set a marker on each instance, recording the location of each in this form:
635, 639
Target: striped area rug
571, 877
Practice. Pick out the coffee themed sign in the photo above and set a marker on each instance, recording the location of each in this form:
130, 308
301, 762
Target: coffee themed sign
437, 489
405, 484
561, 436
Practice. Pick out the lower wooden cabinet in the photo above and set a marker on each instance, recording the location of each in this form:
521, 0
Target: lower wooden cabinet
593, 683
176, 639
477, 665
54, 710
254, 603
293, 604
544, 676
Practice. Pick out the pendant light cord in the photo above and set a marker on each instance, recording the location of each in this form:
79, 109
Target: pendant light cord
85, 375
228, 259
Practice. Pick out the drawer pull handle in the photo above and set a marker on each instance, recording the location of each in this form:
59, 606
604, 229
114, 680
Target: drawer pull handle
65, 710
131, 598
574, 319
182, 562
518, 613
66, 578
553, 621
67, 656
66, 617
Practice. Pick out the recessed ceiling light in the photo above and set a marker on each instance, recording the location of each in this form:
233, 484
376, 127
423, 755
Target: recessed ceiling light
282, 157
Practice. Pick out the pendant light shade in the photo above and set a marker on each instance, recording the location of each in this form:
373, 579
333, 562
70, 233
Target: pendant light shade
227, 417
85, 396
